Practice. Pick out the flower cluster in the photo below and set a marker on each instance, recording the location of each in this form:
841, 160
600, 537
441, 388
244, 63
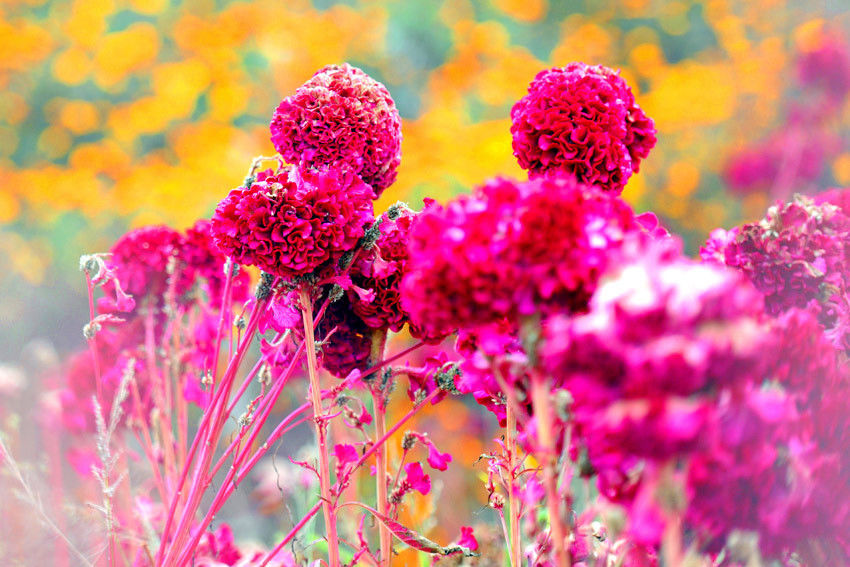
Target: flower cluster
581, 119
294, 222
797, 256
663, 337
341, 117
510, 249
376, 274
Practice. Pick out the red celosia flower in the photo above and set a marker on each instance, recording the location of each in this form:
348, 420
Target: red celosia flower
342, 117
584, 120
510, 249
350, 345
295, 222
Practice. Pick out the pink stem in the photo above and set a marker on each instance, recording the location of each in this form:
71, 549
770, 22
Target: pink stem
540, 397
321, 429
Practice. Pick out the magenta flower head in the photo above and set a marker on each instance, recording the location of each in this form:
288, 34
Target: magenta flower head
584, 120
797, 256
294, 222
510, 249
140, 262
343, 117
376, 274
663, 335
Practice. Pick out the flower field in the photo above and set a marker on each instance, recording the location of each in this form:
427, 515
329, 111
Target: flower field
409, 283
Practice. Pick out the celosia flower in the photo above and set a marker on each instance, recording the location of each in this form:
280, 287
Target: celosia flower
294, 222
341, 117
797, 256
350, 345
376, 274
141, 260
584, 120
204, 260
827, 67
664, 339
510, 249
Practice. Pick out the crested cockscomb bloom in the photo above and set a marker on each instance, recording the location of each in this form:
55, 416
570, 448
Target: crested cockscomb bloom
294, 222
204, 260
665, 337
141, 261
376, 275
350, 345
581, 119
342, 117
797, 256
510, 249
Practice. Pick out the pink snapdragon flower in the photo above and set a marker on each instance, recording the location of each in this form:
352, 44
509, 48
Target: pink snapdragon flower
344, 118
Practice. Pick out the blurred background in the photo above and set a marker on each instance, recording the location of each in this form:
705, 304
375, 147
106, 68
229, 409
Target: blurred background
121, 113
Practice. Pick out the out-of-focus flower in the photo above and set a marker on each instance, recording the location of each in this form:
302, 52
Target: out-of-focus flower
584, 120
341, 117
295, 221
797, 256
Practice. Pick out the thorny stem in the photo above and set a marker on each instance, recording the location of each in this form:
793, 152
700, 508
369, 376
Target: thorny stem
321, 428
545, 426
513, 501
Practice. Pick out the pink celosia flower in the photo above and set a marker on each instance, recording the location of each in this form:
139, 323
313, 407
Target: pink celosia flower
341, 117
510, 249
140, 261
379, 272
295, 222
584, 120
797, 256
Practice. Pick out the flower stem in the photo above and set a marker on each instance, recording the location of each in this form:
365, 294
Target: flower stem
379, 341
541, 401
513, 501
321, 429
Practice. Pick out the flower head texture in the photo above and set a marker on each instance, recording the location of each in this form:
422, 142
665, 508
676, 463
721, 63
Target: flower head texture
581, 119
141, 261
797, 256
350, 345
342, 117
510, 249
376, 274
294, 222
